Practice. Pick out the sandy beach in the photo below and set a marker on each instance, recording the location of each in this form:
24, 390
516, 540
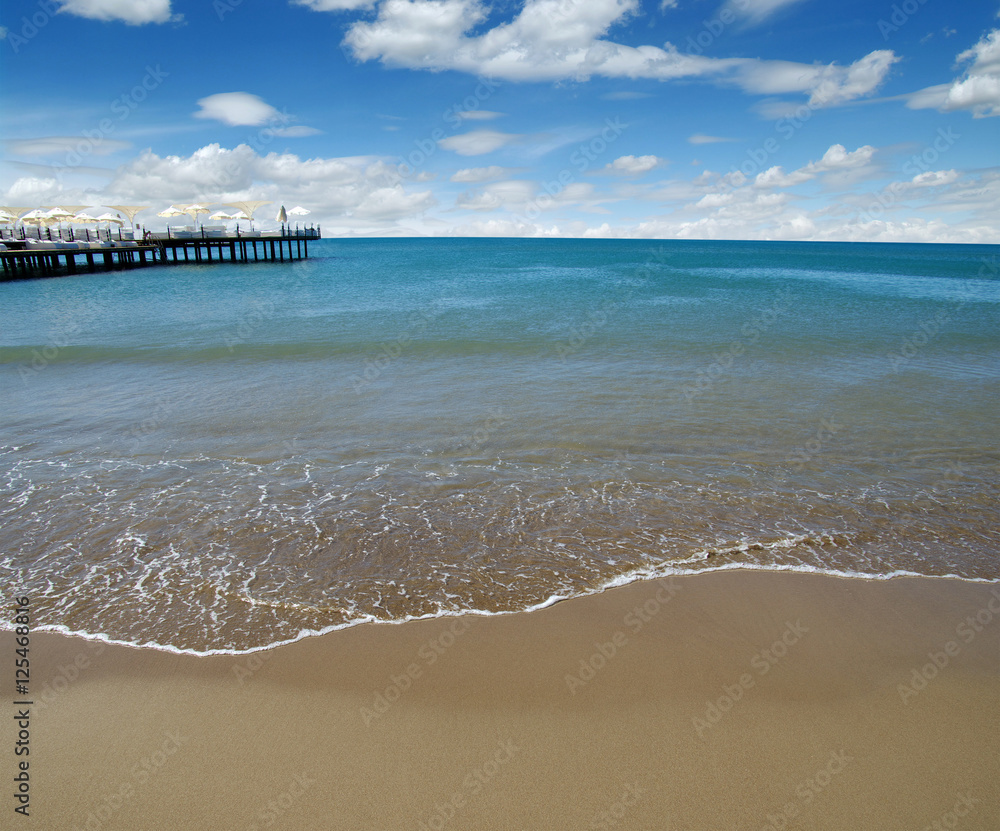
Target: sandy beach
728, 700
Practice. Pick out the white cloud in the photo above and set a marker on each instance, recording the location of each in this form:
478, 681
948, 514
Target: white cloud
978, 90
414, 33
934, 178
31, 190
775, 177
349, 193
133, 12
513, 194
701, 138
827, 85
835, 160
715, 200
551, 40
499, 228
392, 203
474, 175
634, 165
237, 109
979, 93
63, 145
478, 142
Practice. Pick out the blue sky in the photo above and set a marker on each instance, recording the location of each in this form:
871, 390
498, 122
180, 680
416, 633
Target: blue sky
733, 119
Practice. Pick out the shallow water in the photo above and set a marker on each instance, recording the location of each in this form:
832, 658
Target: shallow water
221, 457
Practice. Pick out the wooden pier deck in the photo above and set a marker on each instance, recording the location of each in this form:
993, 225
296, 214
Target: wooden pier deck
29, 258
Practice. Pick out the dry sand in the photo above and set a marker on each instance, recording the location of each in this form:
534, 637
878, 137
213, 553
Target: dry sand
729, 700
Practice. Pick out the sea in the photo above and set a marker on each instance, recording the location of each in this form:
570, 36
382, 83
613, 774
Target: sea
221, 458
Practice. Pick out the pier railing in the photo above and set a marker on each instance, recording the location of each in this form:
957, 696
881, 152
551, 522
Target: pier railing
54, 254
176, 233
207, 232
64, 234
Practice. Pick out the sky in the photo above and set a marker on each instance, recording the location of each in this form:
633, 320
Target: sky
857, 120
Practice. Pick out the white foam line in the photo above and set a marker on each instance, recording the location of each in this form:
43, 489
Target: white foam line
636, 576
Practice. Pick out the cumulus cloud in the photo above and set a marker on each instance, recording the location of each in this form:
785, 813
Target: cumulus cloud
133, 12
33, 190
934, 178
977, 90
477, 142
775, 177
551, 40
237, 109
836, 159
633, 165
349, 192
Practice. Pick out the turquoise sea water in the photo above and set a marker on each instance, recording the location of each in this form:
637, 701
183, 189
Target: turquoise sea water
222, 457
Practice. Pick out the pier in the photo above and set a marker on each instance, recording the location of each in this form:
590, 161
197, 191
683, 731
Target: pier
65, 253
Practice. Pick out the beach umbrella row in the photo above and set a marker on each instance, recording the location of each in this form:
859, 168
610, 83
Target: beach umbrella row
63, 213
76, 213
244, 211
190, 210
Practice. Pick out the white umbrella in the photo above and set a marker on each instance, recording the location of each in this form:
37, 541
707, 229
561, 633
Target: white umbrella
6, 216
15, 212
282, 217
110, 217
84, 219
194, 210
248, 207
36, 217
239, 216
172, 212
57, 216
298, 211
129, 210
221, 216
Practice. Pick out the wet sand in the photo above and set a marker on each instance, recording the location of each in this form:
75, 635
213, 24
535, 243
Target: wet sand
728, 700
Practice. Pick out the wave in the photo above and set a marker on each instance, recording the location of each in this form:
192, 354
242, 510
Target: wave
641, 575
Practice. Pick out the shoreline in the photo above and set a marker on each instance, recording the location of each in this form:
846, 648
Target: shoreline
546, 604
747, 699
